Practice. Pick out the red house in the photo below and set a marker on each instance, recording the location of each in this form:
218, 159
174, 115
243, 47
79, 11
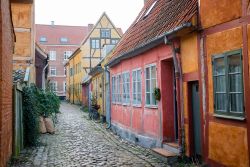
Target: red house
149, 60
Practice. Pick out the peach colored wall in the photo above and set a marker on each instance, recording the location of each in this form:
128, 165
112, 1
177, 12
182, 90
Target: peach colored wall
189, 53
219, 43
228, 145
214, 12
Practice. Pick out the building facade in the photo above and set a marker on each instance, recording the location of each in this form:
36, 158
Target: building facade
89, 55
23, 16
41, 64
225, 52
59, 42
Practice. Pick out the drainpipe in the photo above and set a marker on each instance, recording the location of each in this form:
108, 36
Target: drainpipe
43, 77
179, 84
107, 98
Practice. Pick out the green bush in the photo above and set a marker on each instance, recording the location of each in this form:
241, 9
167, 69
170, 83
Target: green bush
37, 103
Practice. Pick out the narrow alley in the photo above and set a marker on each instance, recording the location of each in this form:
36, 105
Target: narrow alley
82, 142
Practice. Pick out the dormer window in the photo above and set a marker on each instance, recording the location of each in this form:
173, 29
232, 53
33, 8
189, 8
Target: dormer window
149, 9
64, 40
43, 39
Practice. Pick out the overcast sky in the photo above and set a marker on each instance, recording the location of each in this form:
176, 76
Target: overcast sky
82, 12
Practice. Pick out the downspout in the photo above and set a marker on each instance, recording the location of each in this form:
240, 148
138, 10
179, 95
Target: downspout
179, 84
43, 77
108, 100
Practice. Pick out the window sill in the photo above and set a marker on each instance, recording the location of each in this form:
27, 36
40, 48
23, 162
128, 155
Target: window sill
137, 105
125, 104
151, 106
229, 117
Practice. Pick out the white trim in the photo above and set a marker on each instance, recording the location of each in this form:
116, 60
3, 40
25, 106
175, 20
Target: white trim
145, 82
129, 99
136, 82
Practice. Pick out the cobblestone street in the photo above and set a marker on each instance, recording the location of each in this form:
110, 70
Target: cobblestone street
81, 142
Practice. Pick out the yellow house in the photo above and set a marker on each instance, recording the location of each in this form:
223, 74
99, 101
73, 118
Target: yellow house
99, 80
89, 55
24, 52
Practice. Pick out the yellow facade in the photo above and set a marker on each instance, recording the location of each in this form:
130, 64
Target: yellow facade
24, 52
88, 56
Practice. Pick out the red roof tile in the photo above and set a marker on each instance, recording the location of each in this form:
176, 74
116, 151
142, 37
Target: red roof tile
53, 33
165, 16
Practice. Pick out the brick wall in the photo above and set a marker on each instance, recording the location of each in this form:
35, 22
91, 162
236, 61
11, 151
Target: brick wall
6, 49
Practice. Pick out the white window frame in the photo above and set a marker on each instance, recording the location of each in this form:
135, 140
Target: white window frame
67, 54
52, 88
64, 86
136, 92
151, 91
50, 71
119, 88
96, 42
113, 89
52, 55
124, 90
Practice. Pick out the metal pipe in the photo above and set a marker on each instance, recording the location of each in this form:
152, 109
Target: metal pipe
179, 83
108, 100
43, 77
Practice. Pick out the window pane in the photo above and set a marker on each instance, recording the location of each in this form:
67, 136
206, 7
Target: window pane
139, 87
219, 66
139, 98
235, 82
147, 85
236, 102
147, 73
153, 99
134, 75
234, 63
220, 102
153, 72
220, 84
153, 82
139, 75
147, 98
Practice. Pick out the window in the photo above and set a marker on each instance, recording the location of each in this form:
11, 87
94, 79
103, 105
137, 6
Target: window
119, 88
105, 33
65, 71
95, 43
67, 54
71, 72
64, 40
52, 55
149, 9
126, 90
114, 41
43, 39
53, 86
64, 86
52, 71
136, 82
113, 89
228, 84
150, 74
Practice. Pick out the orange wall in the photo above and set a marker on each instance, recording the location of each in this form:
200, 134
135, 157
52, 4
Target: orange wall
214, 12
227, 143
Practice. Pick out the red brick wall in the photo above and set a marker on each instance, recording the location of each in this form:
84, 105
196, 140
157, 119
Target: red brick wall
60, 78
6, 48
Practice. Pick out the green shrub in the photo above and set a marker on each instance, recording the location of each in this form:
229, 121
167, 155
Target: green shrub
37, 103
30, 117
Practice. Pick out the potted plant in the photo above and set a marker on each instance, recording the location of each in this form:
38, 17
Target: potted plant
157, 94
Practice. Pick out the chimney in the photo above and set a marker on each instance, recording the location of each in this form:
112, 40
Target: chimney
52, 23
90, 27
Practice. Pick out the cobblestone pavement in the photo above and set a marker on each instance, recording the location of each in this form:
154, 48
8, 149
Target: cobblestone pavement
82, 142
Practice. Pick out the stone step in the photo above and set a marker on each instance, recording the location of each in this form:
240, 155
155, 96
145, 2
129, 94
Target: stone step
165, 155
172, 147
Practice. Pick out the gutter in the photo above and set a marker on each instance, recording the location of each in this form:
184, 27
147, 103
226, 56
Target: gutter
147, 46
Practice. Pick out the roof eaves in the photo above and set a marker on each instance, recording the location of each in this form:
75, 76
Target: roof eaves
148, 45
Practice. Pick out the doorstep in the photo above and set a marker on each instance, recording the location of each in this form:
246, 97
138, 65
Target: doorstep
165, 155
